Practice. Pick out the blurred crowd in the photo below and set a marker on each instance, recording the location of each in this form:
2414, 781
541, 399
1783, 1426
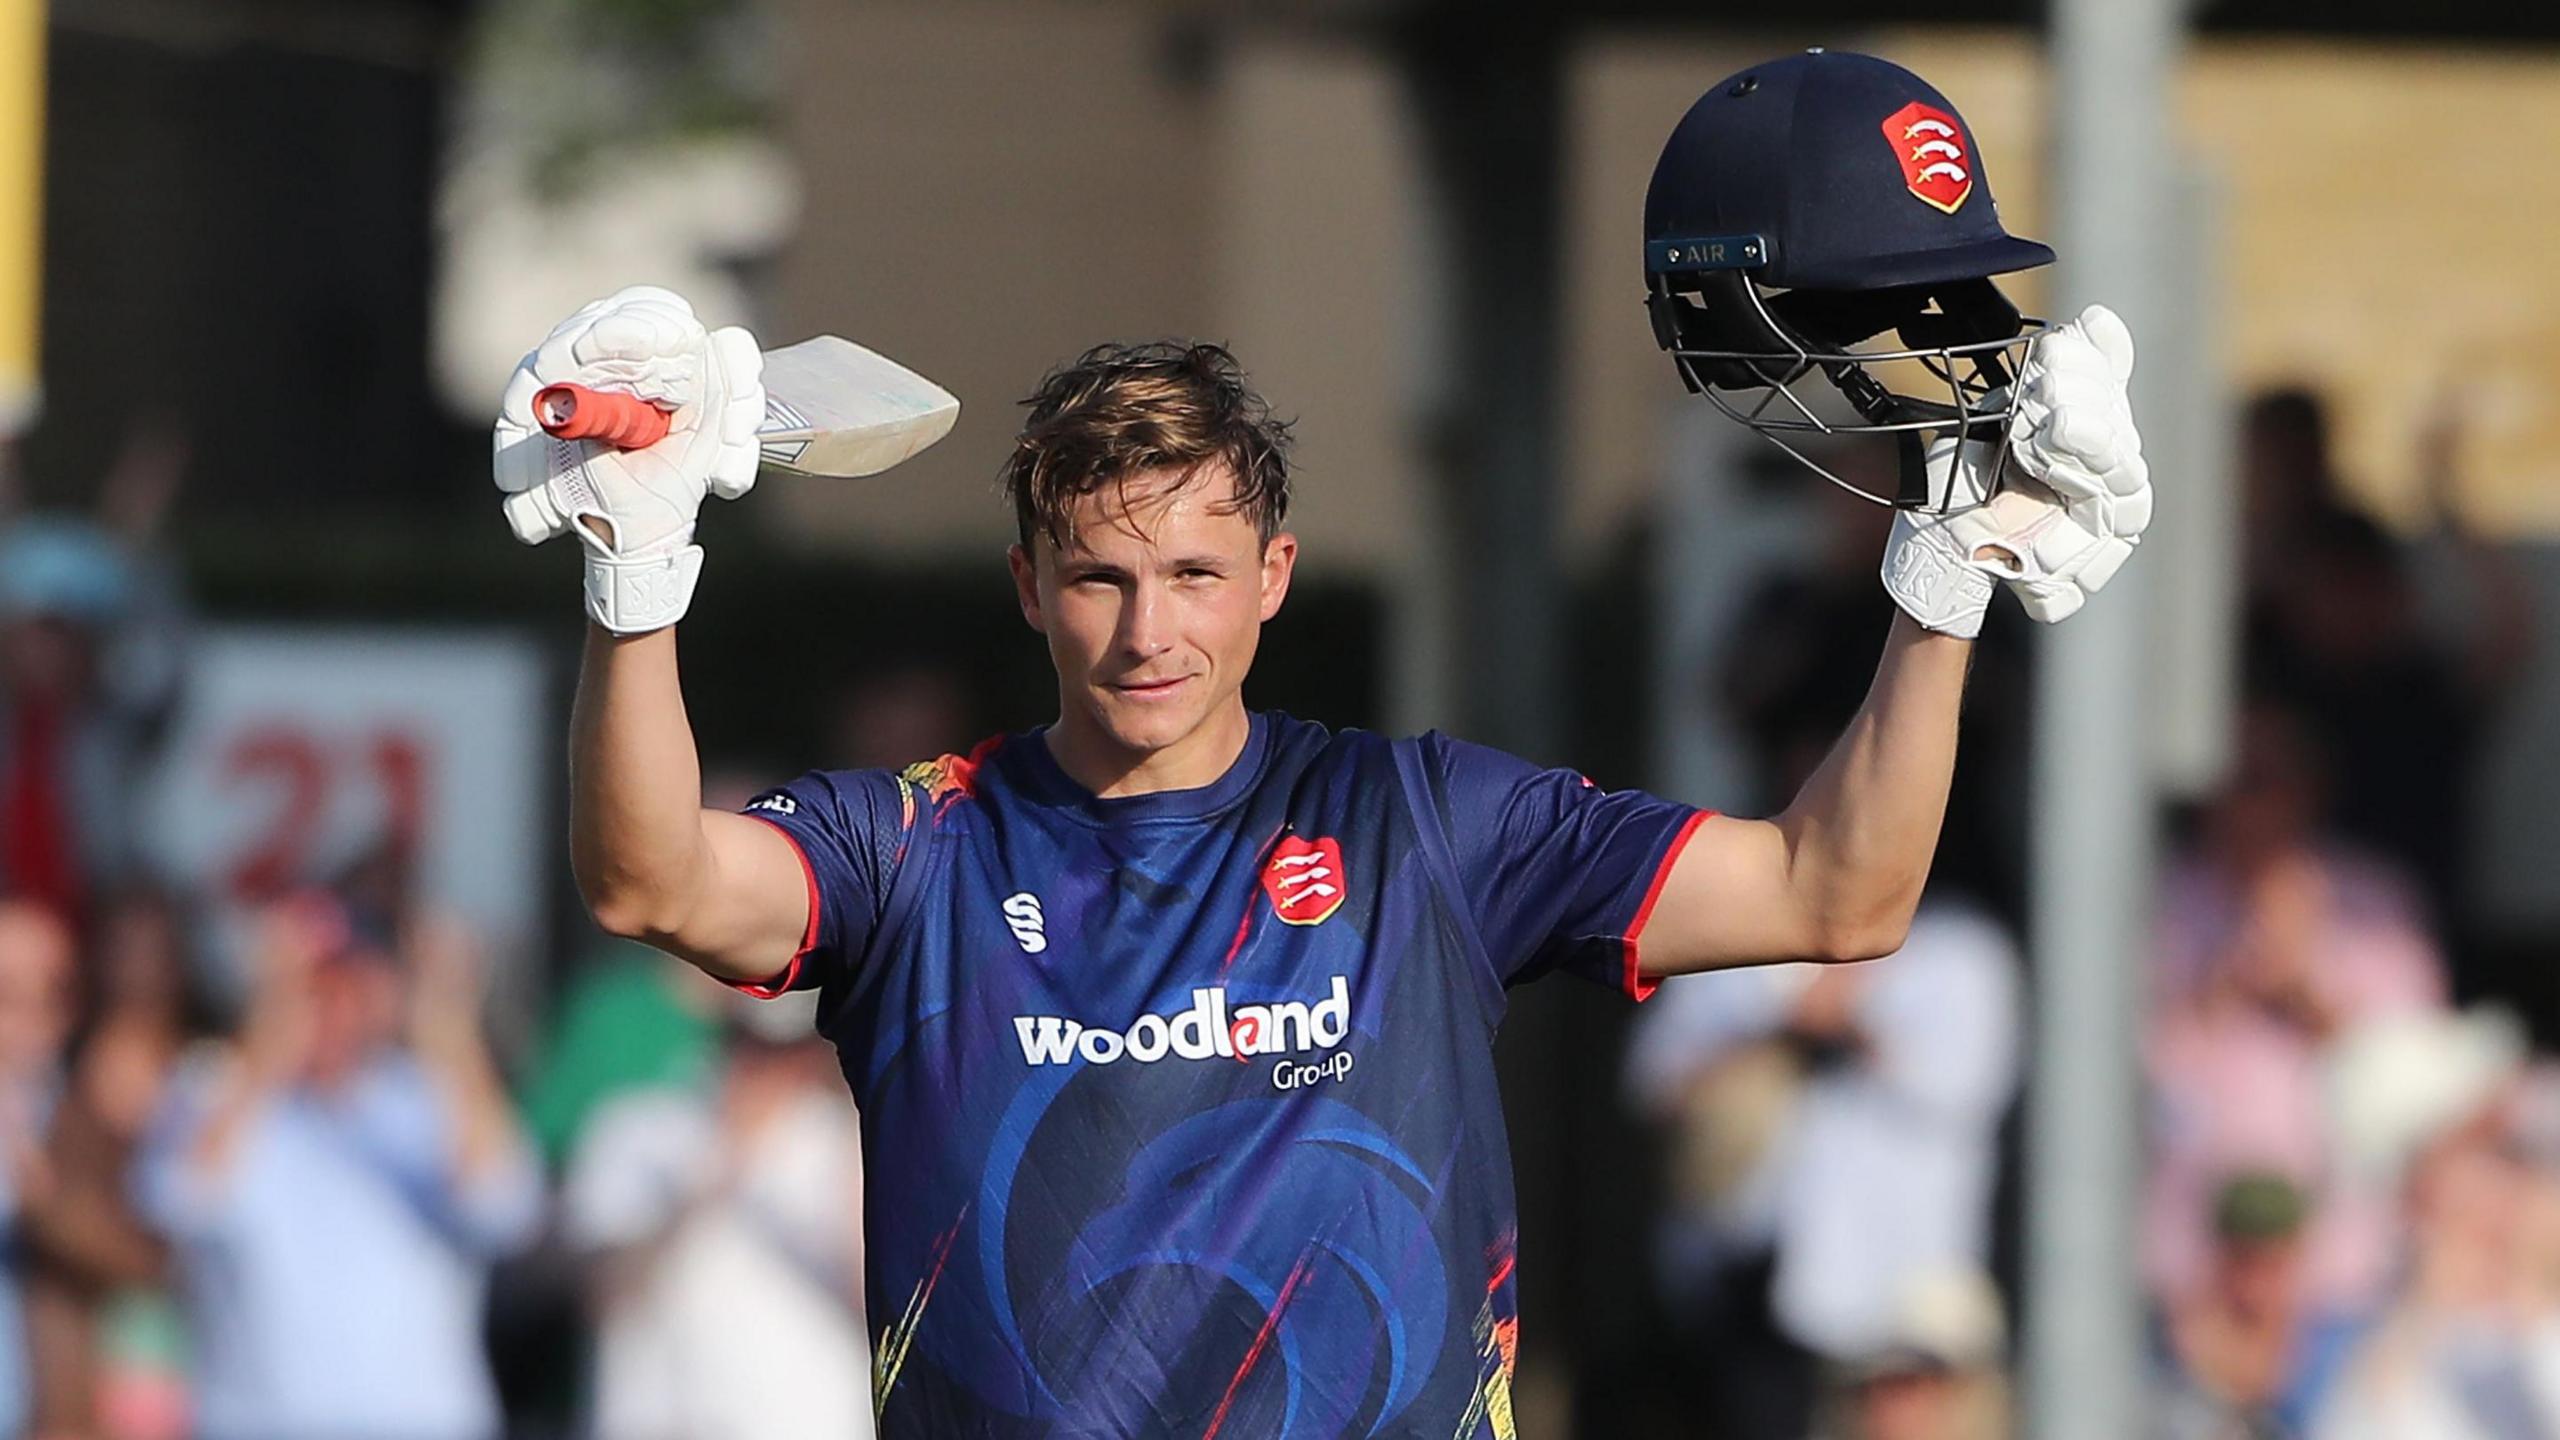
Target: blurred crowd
288, 1223
2350, 1221
294, 1194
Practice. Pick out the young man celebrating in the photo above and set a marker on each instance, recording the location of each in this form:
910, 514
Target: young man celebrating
1171, 1021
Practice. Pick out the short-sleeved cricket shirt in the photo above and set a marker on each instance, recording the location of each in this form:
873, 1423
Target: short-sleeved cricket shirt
1179, 1112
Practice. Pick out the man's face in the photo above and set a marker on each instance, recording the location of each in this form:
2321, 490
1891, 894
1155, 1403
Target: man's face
1153, 608
2261, 1278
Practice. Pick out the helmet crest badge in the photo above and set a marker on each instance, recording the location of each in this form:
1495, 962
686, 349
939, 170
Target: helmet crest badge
1930, 146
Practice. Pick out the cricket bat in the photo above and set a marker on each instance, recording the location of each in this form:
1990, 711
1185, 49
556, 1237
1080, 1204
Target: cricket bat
831, 408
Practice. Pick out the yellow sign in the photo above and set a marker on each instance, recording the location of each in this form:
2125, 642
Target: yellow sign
22, 37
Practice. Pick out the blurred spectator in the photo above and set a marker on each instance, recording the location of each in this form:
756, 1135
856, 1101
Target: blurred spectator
62, 760
725, 1227
89, 630
2338, 628
632, 1019
102, 1318
2274, 941
2288, 487
36, 956
633, 1026
1936, 1371
334, 1184
2243, 1356
2470, 1347
1837, 1140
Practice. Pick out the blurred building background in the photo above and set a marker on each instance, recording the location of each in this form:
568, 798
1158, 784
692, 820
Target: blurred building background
268, 635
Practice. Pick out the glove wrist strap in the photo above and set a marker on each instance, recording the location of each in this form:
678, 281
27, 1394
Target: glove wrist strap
635, 594
1932, 582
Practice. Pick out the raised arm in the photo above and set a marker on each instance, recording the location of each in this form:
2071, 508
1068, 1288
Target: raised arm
1838, 874
724, 891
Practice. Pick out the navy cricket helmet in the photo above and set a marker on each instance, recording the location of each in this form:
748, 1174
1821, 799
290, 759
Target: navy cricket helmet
1804, 210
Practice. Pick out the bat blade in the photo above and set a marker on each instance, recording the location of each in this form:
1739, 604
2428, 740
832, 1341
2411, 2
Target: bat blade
833, 408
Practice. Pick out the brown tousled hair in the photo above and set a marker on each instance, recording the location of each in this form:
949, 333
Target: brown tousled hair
1120, 410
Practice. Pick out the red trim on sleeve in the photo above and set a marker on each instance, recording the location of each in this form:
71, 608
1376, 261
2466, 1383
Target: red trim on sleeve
780, 985
1635, 981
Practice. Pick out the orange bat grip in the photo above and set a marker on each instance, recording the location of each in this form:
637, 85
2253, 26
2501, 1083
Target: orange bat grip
574, 412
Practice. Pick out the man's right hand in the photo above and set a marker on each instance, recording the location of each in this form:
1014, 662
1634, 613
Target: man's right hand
634, 510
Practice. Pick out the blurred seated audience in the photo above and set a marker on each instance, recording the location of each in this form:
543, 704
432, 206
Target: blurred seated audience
1934, 1372
2469, 1346
2274, 940
723, 1224
2243, 1357
2339, 627
334, 1184
1836, 1141
101, 1312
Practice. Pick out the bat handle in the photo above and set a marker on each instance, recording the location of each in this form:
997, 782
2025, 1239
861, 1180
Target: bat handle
574, 412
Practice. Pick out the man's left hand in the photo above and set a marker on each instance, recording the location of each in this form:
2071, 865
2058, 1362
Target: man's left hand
2068, 513
2072, 431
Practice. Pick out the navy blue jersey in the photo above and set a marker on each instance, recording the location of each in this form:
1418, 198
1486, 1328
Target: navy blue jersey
1178, 1110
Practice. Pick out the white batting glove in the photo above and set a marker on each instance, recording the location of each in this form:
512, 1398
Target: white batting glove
2073, 429
2073, 505
633, 510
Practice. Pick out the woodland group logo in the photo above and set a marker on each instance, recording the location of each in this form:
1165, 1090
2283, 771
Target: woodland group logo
1207, 1029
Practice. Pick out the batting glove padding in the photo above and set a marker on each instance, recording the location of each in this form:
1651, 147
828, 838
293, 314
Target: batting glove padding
2073, 505
633, 510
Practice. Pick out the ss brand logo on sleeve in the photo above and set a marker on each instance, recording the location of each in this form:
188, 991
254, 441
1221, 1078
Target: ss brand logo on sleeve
1304, 879
1022, 917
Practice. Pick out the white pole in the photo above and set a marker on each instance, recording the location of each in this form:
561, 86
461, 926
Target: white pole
2092, 833
2193, 547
